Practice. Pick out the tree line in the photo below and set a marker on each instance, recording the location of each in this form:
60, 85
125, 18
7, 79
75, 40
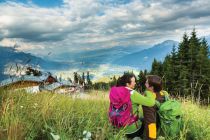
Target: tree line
186, 70
85, 80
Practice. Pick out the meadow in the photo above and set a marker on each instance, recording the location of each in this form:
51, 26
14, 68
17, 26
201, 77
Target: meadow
51, 116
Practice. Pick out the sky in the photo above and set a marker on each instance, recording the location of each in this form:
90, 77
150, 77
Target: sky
58, 26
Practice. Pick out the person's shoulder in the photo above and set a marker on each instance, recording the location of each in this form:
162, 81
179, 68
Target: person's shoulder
147, 93
134, 92
130, 90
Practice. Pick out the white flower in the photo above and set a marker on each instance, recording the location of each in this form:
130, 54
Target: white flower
84, 132
21, 106
87, 135
55, 137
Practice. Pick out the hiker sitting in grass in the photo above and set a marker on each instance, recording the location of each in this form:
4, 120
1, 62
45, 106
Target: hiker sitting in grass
154, 85
125, 103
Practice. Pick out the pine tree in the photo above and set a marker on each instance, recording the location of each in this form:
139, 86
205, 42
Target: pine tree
83, 78
174, 62
113, 81
89, 82
76, 80
187, 71
183, 51
156, 68
80, 79
167, 74
141, 81
175, 72
193, 65
203, 70
145, 72
183, 66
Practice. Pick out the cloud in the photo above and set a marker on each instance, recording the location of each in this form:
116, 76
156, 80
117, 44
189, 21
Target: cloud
95, 24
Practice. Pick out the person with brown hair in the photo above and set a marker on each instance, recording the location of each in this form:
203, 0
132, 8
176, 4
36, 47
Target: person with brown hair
154, 85
128, 82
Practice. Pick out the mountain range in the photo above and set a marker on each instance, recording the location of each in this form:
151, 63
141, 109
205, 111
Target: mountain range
93, 58
143, 59
137, 57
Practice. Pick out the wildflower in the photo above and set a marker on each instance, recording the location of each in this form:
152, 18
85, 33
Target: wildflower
54, 136
84, 132
161, 138
21, 106
87, 135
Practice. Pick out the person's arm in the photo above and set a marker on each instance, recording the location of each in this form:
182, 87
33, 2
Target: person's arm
137, 98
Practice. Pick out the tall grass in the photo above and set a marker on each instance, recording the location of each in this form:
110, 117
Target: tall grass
35, 116
196, 121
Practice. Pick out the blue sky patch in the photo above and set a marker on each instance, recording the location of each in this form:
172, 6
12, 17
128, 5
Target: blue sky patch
41, 3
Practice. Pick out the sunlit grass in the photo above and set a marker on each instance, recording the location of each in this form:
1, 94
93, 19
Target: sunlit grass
35, 116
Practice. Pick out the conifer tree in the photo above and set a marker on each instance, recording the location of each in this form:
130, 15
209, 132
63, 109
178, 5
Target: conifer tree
141, 79
203, 70
193, 65
183, 65
113, 81
187, 71
156, 68
76, 80
89, 82
83, 78
167, 74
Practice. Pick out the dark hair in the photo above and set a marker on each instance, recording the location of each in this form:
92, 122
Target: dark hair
155, 82
126, 78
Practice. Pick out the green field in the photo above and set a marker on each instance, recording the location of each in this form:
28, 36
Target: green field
45, 115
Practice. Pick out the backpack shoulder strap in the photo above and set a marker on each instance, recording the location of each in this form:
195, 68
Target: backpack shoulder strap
165, 94
157, 103
163, 97
130, 90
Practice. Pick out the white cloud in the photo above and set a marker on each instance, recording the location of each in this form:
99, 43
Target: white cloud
21, 45
81, 8
91, 24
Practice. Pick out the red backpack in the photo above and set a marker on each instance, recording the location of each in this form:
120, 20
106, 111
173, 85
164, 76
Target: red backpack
120, 110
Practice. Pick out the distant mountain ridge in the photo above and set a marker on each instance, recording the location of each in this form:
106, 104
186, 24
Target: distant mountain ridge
138, 57
92, 58
143, 59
